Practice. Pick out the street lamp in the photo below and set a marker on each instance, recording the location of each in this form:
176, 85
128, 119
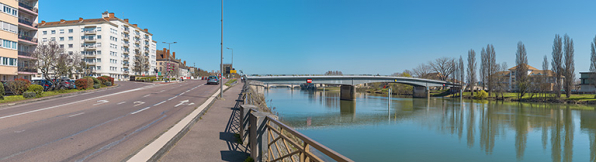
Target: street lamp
221, 55
168, 55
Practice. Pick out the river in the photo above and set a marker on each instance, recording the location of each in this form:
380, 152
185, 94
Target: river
437, 129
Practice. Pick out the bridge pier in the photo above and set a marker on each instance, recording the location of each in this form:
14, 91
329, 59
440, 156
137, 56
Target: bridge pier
347, 92
420, 92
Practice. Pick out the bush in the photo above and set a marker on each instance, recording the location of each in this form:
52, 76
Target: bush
90, 83
29, 94
102, 80
2, 93
18, 86
38, 89
96, 86
108, 84
81, 83
481, 95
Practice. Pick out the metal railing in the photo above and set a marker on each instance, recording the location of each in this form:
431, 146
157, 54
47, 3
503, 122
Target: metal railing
25, 53
271, 140
34, 9
27, 22
27, 69
29, 38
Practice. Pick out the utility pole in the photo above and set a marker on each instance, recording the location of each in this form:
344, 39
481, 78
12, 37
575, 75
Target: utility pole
168, 55
221, 53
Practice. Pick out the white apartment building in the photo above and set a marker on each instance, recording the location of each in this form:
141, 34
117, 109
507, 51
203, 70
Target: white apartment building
110, 46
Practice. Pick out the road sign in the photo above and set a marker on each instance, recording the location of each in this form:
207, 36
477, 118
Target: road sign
232, 71
159, 73
308, 80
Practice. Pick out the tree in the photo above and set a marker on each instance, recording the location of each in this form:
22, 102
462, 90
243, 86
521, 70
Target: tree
443, 66
557, 64
462, 73
52, 59
483, 67
544, 88
141, 64
569, 67
421, 71
592, 76
521, 72
491, 66
501, 81
471, 70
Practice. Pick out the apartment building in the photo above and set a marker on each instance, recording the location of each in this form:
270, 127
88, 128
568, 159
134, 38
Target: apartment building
17, 37
167, 62
110, 46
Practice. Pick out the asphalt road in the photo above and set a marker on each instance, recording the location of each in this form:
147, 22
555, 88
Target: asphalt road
107, 125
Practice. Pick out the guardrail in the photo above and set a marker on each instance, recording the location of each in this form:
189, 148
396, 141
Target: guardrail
271, 140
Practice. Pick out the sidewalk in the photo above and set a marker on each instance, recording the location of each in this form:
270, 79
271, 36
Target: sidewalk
212, 137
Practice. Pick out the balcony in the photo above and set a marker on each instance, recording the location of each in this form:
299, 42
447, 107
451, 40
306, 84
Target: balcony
126, 52
91, 47
90, 39
28, 23
90, 63
126, 37
27, 70
26, 55
90, 32
29, 40
28, 8
126, 30
91, 55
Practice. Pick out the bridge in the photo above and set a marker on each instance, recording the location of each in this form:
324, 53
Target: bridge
347, 83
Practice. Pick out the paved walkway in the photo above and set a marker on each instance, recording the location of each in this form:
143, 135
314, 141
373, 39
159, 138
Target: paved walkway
212, 137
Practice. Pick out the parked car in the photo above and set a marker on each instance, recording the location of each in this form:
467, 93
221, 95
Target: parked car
212, 80
42, 82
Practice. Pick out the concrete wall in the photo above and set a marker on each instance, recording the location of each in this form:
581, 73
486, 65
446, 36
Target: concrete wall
420, 92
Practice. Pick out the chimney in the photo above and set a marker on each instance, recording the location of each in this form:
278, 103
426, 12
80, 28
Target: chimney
184, 63
43, 22
134, 25
125, 20
146, 30
174, 55
111, 15
62, 20
80, 19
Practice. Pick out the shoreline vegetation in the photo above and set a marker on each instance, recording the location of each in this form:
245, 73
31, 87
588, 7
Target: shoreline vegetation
581, 99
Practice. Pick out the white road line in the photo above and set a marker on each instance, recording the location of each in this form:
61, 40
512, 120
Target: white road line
146, 95
181, 102
52, 107
99, 102
137, 103
159, 103
138, 111
77, 114
121, 103
172, 98
162, 91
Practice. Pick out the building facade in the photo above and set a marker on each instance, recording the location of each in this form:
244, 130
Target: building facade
543, 79
18, 29
167, 65
110, 46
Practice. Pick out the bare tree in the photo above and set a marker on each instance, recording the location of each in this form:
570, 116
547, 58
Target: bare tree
557, 64
443, 66
492, 66
471, 70
462, 73
521, 72
421, 71
141, 63
592, 75
545, 80
53, 63
483, 67
569, 66
500, 81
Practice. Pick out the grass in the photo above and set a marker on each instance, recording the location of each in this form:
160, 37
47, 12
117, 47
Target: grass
230, 82
574, 97
15, 98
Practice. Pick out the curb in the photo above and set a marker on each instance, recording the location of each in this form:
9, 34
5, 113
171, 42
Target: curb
55, 96
157, 149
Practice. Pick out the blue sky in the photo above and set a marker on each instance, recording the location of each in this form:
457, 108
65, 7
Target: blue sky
352, 36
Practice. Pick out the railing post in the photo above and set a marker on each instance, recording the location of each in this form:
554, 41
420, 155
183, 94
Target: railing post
244, 122
257, 136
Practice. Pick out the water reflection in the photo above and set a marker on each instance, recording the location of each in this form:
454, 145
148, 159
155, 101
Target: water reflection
483, 126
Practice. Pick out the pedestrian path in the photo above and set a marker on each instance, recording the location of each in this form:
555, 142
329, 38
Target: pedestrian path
212, 138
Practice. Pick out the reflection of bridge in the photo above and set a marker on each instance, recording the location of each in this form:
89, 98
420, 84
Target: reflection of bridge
347, 82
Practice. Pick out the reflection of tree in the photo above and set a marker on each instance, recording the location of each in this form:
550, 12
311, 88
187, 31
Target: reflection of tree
588, 124
568, 154
555, 137
471, 123
521, 132
488, 129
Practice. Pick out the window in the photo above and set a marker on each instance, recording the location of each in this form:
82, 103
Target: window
98, 67
53, 39
61, 38
70, 46
53, 31
61, 31
9, 27
9, 10
70, 38
70, 30
99, 52
9, 44
45, 32
98, 28
70, 52
98, 36
61, 45
98, 59
45, 39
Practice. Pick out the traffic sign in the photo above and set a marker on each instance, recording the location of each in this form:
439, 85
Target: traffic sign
308, 80
232, 71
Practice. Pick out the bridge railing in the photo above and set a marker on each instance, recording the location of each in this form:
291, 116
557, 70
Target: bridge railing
271, 140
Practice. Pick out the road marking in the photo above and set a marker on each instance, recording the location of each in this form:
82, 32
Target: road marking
162, 91
172, 98
159, 103
52, 107
181, 102
99, 102
121, 103
137, 103
146, 95
77, 114
19, 131
140, 110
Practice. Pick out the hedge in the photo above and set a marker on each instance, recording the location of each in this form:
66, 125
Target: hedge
2, 93
29, 94
18, 86
38, 89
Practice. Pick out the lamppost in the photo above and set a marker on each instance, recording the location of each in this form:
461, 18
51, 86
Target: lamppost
221, 57
168, 55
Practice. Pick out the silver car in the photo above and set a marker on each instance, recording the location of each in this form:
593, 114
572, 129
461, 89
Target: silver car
212, 80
